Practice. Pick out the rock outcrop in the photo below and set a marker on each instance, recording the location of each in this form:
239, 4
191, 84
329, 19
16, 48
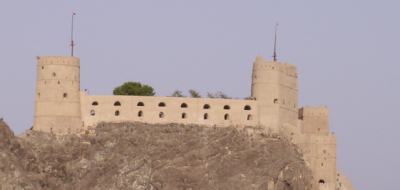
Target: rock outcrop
140, 156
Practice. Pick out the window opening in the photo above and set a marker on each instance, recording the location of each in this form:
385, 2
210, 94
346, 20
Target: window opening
226, 116
249, 117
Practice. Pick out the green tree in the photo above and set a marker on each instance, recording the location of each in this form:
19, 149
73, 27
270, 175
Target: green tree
134, 89
194, 94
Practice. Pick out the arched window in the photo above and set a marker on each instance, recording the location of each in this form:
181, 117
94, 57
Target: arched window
117, 103
54, 74
95, 103
249, 117
184, 105
226, 116
184, 115
206, 106
321, 181
140, 104
275, 101
227, 107
117, 113
161, 104
161, 115
92, 113
247, 107
65, 95
140, 114
205, 116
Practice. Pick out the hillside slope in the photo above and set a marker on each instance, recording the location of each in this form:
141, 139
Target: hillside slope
140, 156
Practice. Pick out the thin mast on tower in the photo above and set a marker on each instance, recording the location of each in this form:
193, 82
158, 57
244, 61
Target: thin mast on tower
72, 34
276, 31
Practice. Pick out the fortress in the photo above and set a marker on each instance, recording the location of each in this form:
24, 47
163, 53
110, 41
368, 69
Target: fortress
62, 108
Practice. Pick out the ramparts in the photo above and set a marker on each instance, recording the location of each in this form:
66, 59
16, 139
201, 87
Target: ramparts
163, 110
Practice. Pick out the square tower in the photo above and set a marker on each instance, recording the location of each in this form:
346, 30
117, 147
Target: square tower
274, 86
57, 103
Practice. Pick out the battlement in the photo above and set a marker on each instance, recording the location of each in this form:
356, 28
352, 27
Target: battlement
57, 60
264, 65
314, 111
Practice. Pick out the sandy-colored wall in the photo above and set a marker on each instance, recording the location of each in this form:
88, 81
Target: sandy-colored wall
172, 112
57, 102
320, 152
318, 145
315, 120
274, 85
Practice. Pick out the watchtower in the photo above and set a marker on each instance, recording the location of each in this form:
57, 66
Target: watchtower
274, 86
57, 103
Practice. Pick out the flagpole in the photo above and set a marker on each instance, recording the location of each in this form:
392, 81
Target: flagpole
72, 34
275, 54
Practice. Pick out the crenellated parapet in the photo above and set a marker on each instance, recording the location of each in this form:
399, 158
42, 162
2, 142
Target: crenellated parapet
286, 69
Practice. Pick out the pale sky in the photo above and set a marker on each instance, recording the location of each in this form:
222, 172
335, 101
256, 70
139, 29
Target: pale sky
346, 52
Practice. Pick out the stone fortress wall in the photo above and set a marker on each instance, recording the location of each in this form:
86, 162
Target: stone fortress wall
163, 110
61, 108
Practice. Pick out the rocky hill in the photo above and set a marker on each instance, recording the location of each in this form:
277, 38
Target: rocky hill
150, 157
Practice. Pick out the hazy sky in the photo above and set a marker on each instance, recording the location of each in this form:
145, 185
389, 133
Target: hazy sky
346, 52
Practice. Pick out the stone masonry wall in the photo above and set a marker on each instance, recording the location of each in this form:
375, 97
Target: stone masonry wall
202, 111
